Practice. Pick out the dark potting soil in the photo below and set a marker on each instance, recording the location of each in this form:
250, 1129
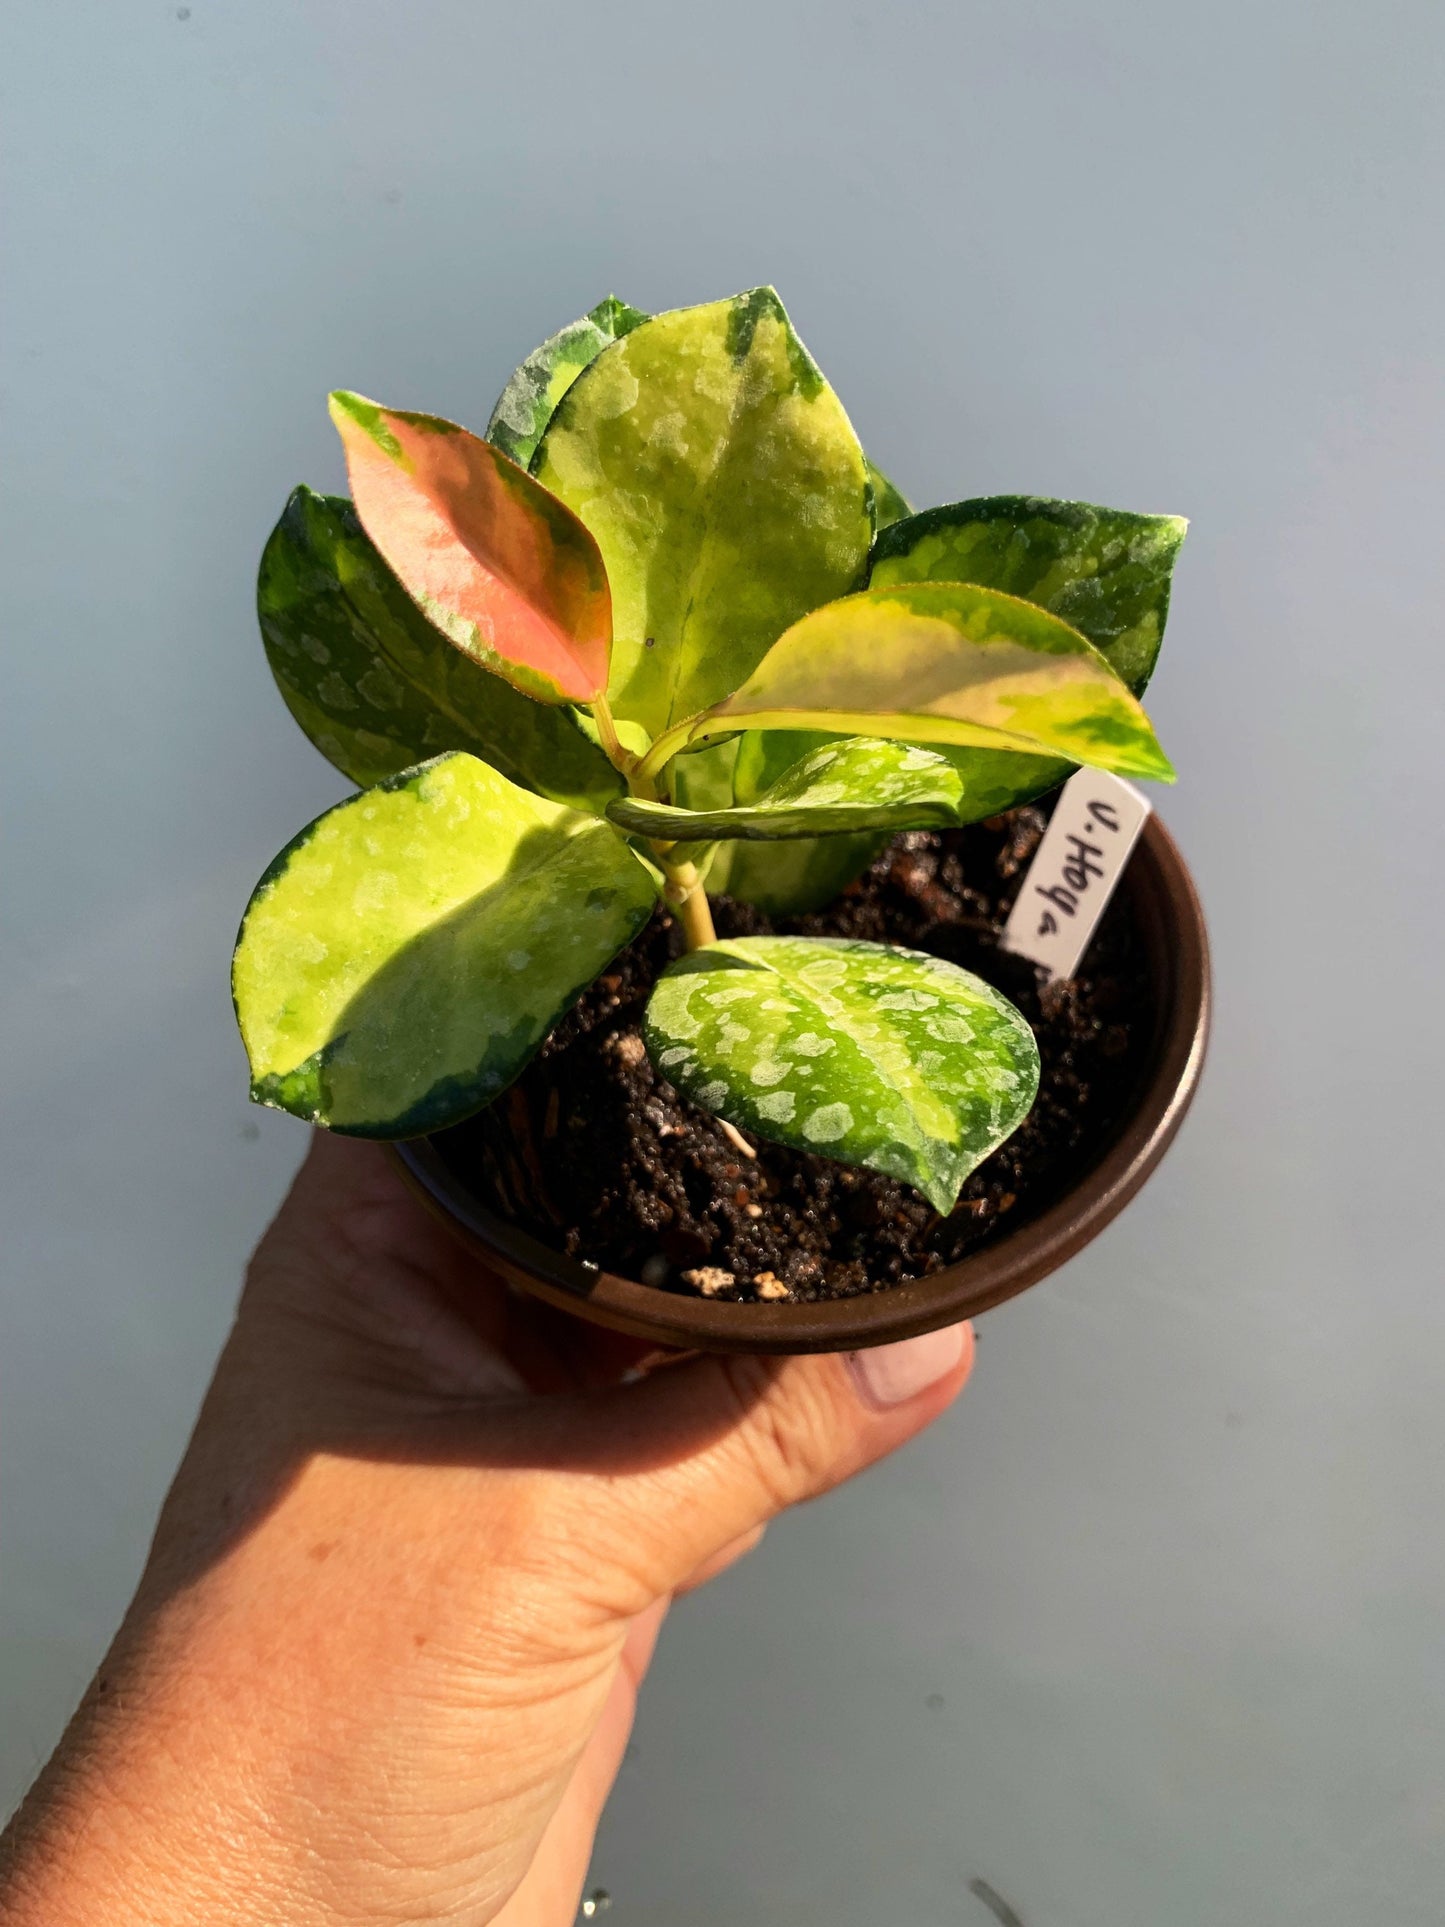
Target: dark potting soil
595, 1153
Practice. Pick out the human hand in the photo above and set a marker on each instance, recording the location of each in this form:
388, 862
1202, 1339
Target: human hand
383, 1659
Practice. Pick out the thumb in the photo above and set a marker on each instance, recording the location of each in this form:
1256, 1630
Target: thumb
703, 1453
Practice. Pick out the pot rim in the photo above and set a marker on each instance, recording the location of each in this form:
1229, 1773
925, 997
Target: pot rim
1164, 894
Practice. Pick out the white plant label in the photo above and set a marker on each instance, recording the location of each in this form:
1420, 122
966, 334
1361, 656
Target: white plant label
1091, 833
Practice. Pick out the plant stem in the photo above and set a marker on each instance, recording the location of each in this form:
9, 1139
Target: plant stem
663, 750
682, 891
685, 895
620, 758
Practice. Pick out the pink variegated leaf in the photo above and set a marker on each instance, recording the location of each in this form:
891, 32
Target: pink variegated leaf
506, 571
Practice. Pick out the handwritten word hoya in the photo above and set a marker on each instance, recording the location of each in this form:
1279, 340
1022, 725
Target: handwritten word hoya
1084, 851
1079, 870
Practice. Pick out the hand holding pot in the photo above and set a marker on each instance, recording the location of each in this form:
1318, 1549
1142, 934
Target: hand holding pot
383, 1659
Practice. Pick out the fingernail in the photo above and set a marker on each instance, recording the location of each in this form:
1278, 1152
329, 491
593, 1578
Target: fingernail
891, 1374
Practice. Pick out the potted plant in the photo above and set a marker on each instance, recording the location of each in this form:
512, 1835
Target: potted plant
664, 641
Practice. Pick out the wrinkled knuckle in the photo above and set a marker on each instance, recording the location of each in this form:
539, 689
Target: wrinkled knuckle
526, 1588
791, 1436
564, 1546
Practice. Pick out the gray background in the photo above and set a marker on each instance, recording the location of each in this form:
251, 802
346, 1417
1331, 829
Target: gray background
1149, 1630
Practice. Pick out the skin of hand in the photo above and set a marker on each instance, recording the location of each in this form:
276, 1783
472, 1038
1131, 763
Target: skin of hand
382, 1663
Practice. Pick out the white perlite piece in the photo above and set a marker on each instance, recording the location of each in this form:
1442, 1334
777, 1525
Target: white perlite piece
629, 1046
1094, 827
709, 1280
731, 1132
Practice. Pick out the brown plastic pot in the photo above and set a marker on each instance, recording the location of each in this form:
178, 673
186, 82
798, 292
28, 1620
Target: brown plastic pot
1172, 925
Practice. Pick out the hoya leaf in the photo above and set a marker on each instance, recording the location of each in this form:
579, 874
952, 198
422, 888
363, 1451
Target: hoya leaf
783, 878
530, 398
503, 569
850, 783
704, 779
945, 662
725, 487
402, 959
762, 756
787, 879
1105, 571
863, 1052
377, 687
890, 504
990, 780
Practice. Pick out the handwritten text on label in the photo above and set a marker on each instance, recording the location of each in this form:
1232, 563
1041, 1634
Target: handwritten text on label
1094, 827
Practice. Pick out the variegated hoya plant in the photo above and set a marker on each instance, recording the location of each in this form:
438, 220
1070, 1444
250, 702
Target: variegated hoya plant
667, 622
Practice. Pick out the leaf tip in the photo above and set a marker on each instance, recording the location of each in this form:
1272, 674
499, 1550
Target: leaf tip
941, 1195
1161, 768
1168, 532
1151, 765
351, 412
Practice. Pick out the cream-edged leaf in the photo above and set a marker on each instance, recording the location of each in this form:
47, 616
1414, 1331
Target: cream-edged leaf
402, 959
945, 662
725, 487
1105, 571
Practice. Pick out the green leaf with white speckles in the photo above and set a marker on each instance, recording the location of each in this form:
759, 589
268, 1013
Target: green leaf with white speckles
989, 780
850, 783
866, 1053
530, 398
403, 958
784, 878
1105, 571
725, 487
945, 662
378, 688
